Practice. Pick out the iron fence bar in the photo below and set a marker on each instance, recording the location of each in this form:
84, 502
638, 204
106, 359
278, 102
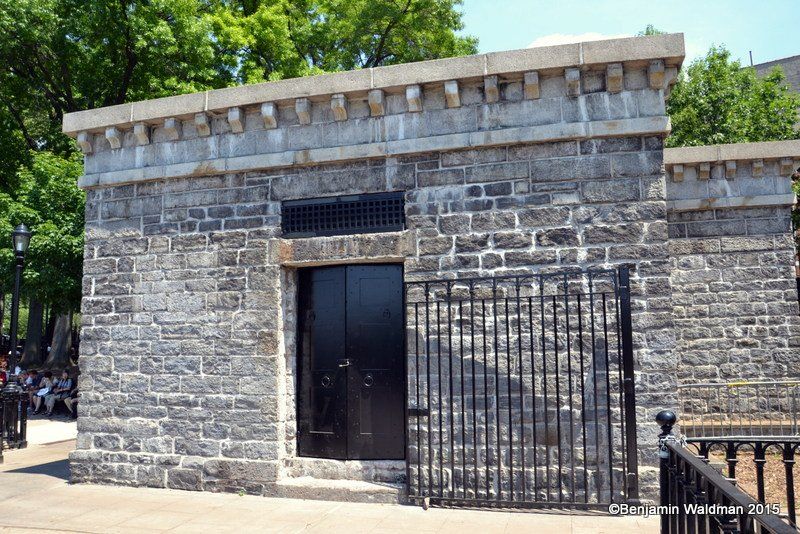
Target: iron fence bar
788, 464
557, 376
485, 396
463, 402
533, 402
440, 395
510, 407
594, 382
583, 404
416, 372
498, 459
428, 388
544, 391
632, 482
569, 393
608, 404
621, 393
521, 392
450, 393
474, 396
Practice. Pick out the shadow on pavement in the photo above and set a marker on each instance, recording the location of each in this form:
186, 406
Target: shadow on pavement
57, 469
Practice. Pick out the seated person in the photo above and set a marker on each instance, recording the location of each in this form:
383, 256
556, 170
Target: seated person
31, 385
44, 389
60, 391
71, 403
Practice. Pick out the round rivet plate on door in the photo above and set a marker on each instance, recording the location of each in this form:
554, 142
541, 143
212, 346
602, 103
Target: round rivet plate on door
368, 381
326, 381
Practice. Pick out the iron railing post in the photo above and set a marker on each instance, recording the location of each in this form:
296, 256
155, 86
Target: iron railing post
666, 420
631, 457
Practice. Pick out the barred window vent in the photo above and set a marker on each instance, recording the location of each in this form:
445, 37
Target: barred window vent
355, 214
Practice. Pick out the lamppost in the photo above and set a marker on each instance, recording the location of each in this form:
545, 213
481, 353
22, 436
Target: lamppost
21, 238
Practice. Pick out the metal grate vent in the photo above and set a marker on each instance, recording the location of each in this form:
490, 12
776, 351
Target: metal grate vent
356, 214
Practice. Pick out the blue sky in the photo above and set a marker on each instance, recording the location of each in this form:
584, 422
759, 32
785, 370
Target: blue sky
767, 27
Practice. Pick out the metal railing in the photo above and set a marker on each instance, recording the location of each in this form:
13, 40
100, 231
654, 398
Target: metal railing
742, 408
759, 448
695, 497
13, 419
521, 391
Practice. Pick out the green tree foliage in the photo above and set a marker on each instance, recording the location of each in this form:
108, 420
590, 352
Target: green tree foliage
60, 56
50, 203
716, 100
650, 30
258, 41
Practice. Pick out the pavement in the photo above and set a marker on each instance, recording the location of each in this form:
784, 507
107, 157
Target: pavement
36, 497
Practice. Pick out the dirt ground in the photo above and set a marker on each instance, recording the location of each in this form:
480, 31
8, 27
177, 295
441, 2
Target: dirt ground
774, 477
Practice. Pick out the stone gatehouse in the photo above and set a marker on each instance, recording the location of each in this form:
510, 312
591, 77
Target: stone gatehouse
220, 273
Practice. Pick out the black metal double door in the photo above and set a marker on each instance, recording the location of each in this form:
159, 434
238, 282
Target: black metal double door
351, 378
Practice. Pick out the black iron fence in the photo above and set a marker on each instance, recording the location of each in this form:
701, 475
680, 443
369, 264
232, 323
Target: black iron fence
13, 419
695, 497
521, 390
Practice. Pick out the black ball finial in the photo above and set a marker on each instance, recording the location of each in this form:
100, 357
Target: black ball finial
666, 418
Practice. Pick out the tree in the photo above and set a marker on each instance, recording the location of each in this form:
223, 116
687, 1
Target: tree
650, 30
716, 100
61, 56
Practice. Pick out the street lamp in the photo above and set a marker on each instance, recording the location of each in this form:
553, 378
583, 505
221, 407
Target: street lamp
21, 238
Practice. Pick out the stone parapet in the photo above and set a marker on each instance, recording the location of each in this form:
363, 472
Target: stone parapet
656, 53
740, 175
615, 88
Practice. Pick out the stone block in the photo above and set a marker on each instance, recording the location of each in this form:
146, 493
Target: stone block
656, 74
704, 171
414, 98
375, 98
236, 120
557, 237
141, 132
184, 479
490, 89
573, 79
786, 166
451, 94
85, 142
339, 107
677, 173
269, 114
531, 85
202, 125
114, 138
302, 107
758, 168
172, 129
615, 79
730, 170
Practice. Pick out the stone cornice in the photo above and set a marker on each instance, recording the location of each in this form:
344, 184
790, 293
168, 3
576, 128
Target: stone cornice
757, 201
703, 158
661, 55
642, 126
733, 151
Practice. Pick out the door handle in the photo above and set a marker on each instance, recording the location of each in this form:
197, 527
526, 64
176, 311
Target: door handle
344, 363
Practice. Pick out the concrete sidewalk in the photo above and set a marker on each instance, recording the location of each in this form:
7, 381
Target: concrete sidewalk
36, 497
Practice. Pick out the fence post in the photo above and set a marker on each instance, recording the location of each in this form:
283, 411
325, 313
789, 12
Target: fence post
666, 420
631, 449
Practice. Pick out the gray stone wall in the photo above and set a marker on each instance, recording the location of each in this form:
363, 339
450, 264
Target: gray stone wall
735, 295
188, 333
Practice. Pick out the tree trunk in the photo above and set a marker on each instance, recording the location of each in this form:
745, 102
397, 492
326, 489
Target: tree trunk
62, 341
32, 354
2, 313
